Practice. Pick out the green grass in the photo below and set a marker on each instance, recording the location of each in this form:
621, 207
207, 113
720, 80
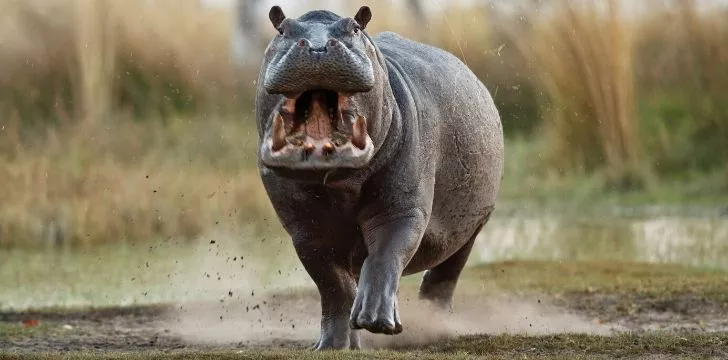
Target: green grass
605, 290
159, 271
15, 330
624, 345
612, 277
528, 179
171, 270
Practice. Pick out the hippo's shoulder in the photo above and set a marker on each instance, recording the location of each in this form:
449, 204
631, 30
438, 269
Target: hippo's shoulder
388, 36
401, 49
391, 40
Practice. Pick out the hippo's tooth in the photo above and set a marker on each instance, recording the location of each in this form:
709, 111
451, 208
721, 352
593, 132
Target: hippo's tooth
278, 132
289, 106
359, 134
344, 103
308, 147
329, 148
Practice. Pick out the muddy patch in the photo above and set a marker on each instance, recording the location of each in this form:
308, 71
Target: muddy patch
678, 313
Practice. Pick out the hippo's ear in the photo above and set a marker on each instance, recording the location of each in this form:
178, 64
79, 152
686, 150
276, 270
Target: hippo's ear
363, 16
276, 16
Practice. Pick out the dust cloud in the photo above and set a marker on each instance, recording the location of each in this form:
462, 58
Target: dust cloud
424, 323
230, 284
268, 300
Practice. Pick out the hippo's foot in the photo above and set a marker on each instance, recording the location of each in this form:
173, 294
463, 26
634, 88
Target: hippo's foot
390, 245
375, 306
437, 291
341, 340
337, 289
438, 283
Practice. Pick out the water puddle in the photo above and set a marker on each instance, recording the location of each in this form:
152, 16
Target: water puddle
689, 240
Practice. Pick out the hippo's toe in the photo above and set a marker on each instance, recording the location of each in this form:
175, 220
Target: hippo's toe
379, 326
377, 313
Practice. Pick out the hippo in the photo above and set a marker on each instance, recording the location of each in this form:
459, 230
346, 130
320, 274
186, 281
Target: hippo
381, 156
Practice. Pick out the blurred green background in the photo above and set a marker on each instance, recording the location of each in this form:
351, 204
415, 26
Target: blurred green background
132, 122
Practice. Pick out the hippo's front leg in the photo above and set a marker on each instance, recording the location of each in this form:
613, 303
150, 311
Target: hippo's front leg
391, 242
329, 269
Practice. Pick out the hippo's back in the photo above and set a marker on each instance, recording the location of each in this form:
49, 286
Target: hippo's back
454, 108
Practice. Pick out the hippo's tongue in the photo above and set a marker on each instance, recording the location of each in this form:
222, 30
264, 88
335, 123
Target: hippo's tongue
319, 121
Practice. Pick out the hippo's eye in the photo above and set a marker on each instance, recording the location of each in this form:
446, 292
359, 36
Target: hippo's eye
356, 30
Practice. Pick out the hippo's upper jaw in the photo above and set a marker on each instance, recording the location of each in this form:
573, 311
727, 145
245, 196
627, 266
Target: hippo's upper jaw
317, 130
317, 53
333, 65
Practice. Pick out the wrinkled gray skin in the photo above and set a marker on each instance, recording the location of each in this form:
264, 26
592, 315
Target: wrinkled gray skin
420, 190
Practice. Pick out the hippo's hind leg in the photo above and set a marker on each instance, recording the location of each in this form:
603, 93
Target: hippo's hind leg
438, 283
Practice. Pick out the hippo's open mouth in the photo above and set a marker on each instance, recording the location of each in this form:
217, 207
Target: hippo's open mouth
317, 129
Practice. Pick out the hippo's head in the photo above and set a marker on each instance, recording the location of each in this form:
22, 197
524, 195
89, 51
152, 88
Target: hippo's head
321, 93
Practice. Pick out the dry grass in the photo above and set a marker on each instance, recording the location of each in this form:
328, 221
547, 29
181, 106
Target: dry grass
78, 59
683, 77
583, 57
130, 183
98, 176
632, 95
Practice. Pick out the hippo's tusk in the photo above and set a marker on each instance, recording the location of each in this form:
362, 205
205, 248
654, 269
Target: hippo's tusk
359, 133
289, 106
278, 133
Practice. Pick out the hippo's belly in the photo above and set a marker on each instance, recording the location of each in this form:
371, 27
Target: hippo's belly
465, 194
467, 182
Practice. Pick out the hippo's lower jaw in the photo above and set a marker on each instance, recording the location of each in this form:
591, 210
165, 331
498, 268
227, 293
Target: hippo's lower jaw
301, 158
317, 130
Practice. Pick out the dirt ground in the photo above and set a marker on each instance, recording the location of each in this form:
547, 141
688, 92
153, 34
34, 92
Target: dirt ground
162, 328
655, 324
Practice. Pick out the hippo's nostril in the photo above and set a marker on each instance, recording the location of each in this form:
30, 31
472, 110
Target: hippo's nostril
332, 42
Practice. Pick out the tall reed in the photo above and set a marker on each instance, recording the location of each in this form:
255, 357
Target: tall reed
583, 55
